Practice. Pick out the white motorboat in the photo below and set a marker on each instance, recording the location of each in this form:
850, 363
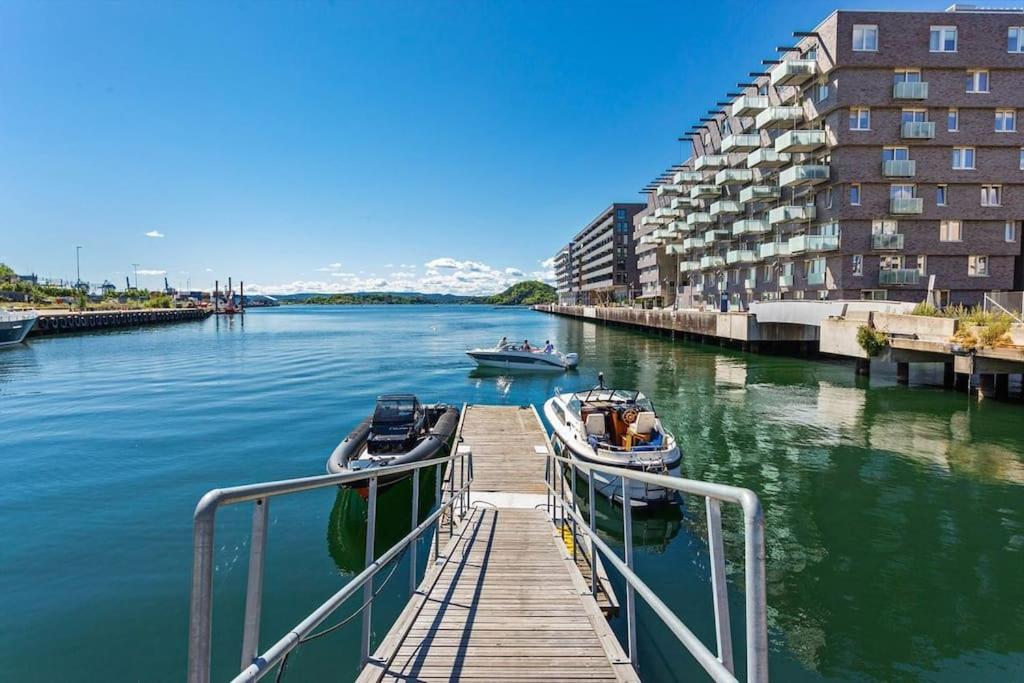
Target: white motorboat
516, 357
617, 428
15, 326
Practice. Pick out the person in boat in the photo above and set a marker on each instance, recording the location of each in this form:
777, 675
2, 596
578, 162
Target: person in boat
526, 345
549, 347
503, 344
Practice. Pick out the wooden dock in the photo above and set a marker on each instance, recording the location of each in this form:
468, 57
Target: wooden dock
504, 599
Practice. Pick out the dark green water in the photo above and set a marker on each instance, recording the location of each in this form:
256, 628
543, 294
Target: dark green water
894, 515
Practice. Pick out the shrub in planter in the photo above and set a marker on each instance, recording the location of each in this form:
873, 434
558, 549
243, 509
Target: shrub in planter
871, 340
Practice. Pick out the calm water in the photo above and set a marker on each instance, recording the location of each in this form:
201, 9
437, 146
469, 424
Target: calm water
895, 516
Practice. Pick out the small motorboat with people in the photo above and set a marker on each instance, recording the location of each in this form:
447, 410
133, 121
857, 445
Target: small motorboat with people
15, 326
509, 356
617, 428
401, 430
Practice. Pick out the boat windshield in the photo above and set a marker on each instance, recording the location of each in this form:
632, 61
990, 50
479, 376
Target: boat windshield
610, 396
395, 410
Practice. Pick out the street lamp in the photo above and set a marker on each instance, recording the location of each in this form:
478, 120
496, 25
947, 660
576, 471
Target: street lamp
135, 268
78, 267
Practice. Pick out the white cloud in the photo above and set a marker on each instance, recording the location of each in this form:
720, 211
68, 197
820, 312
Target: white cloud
154, 233
151, 272
209, 270
335, 265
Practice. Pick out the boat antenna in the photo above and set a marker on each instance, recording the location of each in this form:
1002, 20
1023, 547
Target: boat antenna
600, 380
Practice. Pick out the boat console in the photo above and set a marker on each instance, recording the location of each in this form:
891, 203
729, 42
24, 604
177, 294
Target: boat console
398, 420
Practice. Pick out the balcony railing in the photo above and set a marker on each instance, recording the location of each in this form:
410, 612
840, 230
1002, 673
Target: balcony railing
682, 203
710, 161
816, 278
779, 117
685, 266
918, 130
740, 256
813, 243
687, 177
733, 175
725, 207
750, 226
899, 168
910, 91
794, 72
899, 276
678, 226
792, 214
785, 281
665, 214
803, 175
767, 157
800, 141
649, 220
691, 243
741, 142
711, 262
669, 190
704, 191
906, 205
773, 249
758, 193
714, 234
882, 242
699, 218
748, 105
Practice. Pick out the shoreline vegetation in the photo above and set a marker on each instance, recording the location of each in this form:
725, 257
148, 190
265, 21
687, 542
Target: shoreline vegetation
526, 293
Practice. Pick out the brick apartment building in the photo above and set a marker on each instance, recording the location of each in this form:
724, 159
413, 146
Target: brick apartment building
875, 154
599, 264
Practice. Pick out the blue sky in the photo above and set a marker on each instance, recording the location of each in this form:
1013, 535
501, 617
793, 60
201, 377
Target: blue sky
444, 146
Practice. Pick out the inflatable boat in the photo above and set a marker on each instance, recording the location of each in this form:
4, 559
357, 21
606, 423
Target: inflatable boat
401, 430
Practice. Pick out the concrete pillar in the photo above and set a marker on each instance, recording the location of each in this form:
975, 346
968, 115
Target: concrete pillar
755, 347
1002, 386
948, 375
745, 347
864, 367
962, 381
903, 373
986, 385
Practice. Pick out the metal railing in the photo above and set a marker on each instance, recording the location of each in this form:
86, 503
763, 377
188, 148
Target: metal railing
1010, 303
721, 666
255, 665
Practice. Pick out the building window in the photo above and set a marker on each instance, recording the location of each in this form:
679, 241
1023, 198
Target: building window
1022, 158
922, 264
913, 115
1015, 39
860, 118
821, 91
828, 197
963, 158
950, 231
977, 266
901, 191
907, 76
620, 214
943, 39
977, 80
940, 195
763, 90
884, 227
1010, 231
890, 262
953, 120
895, 153
991, 195
1006, 120
865, 38
855, 188
857, 265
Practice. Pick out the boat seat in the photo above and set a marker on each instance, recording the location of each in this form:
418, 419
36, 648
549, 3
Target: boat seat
644, 423
595, 424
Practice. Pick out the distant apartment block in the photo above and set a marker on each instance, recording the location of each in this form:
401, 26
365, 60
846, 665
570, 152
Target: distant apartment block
599, 264
877, 153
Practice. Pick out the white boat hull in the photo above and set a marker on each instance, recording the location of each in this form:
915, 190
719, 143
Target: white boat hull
523, 360
14, 328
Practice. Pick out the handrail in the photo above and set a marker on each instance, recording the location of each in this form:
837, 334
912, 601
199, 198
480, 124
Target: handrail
254, 665
989, 300
720, 667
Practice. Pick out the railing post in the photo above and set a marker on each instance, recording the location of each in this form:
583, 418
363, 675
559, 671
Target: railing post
438, 477
757, 626
200, 630
415, 522
371, 527
627, 528
451, 498
469, 479
591, 503
547, 480
719, 586
573, 486
254, 588
462, 485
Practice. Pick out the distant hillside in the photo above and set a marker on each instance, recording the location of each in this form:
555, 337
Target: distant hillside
524, 294
372, 298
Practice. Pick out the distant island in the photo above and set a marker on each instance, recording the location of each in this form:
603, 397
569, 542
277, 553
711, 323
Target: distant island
525, 293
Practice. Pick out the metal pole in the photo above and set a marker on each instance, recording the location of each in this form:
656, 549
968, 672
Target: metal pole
627, 524
574, 537
593, 527
371, 526
757, 627
547, 480
200, 630
462, 484
437, 496
719, 587
451, 498
415, 521
254, 588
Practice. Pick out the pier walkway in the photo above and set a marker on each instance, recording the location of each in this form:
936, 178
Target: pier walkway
504, 599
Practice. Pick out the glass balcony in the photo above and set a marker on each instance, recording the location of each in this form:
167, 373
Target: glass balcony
767, 157
678, 226
748, 105
740, 256
750, 283
910, 91
699, 218
674, 249
882, 242
742, 142
792, 214
906, 205
662, 234
682, 203
800, 141
756, 193
714, 234
648, 239
726, 207
785, 281
710, 161
899, 276
649, 220
794, 72
813, 243
669, 190
704, 191
899, 168
803, 175
773, 249
733, 175
918, 130
816, 278
691, 243
685, 266
779, 117
687, 177
750, 226
711, 262
666, 215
